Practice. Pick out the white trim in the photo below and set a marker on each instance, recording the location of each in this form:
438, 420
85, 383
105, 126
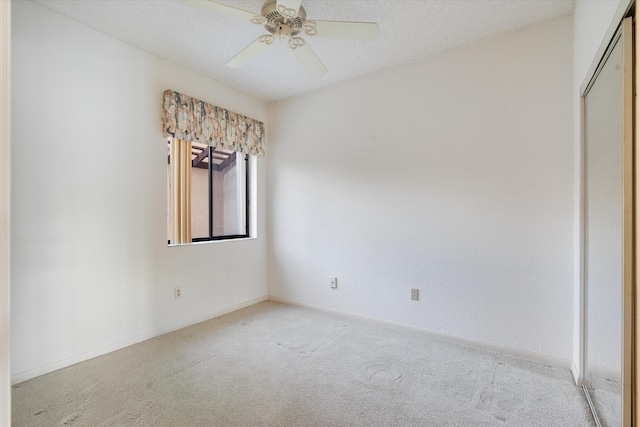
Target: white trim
23, 376
5, 211
253, 195
576, 374
580, 368
534, 357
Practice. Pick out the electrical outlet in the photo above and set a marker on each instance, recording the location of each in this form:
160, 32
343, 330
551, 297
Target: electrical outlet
177, 293
333, 282
415, 294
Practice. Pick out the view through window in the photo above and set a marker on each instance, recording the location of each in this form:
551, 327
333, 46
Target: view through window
219, 193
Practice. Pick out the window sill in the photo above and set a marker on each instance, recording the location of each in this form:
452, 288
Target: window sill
206, 242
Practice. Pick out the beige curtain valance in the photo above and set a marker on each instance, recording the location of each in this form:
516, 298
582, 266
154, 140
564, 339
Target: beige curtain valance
193, 120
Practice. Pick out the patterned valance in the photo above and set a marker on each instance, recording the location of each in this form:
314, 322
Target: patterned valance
196, 121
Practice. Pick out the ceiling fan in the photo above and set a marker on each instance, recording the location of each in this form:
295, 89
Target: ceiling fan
287, 20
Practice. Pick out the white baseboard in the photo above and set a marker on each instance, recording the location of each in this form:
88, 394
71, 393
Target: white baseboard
534, 357
27, 375
24, 376
577, 378
604, 372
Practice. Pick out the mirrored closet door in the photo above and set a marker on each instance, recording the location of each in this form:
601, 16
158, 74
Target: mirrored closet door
608, 233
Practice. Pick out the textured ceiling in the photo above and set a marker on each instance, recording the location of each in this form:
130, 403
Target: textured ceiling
203, 42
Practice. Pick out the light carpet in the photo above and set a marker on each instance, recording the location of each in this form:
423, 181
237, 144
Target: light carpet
606, 394
278, 365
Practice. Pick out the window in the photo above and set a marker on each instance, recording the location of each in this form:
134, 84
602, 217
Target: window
219, 189
203, 149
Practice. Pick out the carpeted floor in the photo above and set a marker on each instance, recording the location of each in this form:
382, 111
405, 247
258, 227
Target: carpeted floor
278, 365
606, 394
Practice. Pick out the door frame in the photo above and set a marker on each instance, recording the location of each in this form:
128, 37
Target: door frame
621, 28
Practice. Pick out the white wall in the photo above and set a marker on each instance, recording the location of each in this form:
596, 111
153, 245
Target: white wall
452, 175
5, 210
592, 19
91, 270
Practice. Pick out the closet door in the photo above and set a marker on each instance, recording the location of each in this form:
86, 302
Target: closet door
608, 234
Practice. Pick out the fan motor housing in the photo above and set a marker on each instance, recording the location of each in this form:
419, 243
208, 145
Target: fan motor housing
275, 18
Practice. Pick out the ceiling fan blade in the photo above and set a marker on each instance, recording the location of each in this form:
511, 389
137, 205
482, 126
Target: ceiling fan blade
222, 9
342, 29
288, 5
251, 51
309, 59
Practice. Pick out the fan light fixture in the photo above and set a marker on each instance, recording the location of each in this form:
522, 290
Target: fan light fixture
285, 20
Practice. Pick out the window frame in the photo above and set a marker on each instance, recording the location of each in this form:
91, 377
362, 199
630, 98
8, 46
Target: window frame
245, 160
211, 237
